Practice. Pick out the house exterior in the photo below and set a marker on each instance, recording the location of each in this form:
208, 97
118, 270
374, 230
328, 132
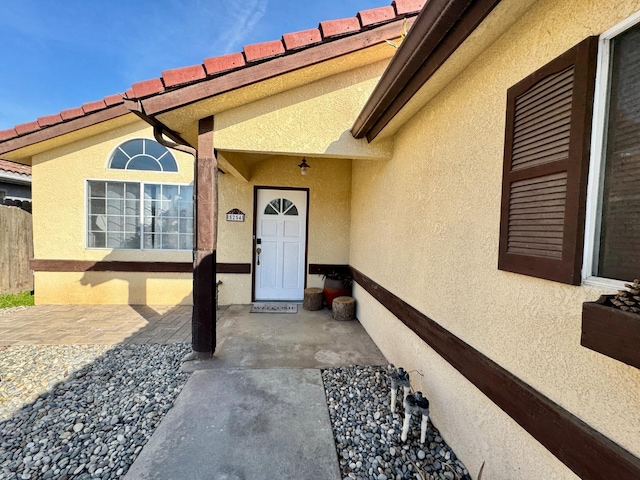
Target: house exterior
15, 183
470, 181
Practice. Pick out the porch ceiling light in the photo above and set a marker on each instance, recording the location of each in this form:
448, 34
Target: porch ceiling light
304, 166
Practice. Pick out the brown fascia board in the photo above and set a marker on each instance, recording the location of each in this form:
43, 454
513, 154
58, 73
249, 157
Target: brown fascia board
59, 129
182, 96
440, 28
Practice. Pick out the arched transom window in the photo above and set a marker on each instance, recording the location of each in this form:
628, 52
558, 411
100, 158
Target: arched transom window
281, 206
143, 154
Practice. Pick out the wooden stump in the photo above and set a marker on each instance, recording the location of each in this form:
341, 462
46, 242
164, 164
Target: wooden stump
344, 308
312, 299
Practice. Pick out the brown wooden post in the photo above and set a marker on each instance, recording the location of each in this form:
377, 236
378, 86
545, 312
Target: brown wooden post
204, 250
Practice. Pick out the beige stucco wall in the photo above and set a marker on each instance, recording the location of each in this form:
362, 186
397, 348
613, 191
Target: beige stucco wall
329, 184
133, 288
425, 225
59, 225
314, 119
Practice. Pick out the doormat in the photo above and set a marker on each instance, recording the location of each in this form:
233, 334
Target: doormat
274, 308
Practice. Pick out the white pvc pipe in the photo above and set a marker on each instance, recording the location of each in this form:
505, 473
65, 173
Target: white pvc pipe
407, 390
405, 424
423, 428
393, 400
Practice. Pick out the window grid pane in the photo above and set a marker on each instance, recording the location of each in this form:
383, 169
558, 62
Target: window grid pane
618, 256
115, 211
168, 215
143, 154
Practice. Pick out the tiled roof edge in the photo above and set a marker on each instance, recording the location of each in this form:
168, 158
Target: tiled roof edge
289, 42
223, 64
13, 167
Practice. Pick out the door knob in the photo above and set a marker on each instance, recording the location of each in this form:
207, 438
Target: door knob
258, 251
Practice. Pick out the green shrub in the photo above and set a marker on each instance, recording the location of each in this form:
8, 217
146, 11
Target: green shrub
16, 300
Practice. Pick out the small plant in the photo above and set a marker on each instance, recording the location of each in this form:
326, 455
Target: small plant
24, 299
403, 35
337, 275
628, 300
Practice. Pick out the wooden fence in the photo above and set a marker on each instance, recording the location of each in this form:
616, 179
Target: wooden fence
16, 249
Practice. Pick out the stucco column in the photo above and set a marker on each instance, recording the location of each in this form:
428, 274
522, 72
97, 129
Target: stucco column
204, 252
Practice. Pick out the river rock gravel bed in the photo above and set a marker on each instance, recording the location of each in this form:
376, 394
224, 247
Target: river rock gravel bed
367, 434
95, 407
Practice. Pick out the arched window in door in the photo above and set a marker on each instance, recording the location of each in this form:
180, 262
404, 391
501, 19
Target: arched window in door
280, 206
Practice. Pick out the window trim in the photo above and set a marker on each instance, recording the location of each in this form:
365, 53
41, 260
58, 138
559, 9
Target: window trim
113, 151
142, 184
597, 158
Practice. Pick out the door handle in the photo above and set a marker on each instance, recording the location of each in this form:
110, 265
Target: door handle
258, 251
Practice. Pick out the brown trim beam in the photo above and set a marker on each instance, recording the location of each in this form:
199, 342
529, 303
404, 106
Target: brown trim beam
233, 268
170, 100
584, 450
326, 269
90, 266
441, 27
53, 131
38, 265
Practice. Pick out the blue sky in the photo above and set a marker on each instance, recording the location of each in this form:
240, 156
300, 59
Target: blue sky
59, 54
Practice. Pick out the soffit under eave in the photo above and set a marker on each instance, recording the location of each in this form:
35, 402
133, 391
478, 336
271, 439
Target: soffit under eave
501, 18
25, 154
184, 120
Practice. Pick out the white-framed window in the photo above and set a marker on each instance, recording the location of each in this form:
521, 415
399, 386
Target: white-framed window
612, 228
142, 154
139, 215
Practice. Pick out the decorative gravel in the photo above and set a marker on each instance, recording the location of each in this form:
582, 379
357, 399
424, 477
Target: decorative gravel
95, 407
367, 434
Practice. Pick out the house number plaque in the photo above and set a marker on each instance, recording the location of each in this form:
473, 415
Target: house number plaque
235, 215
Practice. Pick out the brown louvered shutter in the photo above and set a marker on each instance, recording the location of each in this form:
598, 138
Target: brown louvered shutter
545, 170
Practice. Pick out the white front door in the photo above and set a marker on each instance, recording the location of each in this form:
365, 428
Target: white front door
281, 231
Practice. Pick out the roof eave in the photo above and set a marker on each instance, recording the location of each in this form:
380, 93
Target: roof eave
440, 28
63, 128
185, 95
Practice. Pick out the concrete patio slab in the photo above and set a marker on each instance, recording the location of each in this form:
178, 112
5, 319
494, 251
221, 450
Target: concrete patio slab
304, 340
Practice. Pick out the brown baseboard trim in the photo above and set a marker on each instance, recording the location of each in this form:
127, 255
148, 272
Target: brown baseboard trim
584, 450
154, 267
325, 268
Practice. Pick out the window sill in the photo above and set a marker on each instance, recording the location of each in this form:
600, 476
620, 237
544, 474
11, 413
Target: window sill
604, 283
611, 331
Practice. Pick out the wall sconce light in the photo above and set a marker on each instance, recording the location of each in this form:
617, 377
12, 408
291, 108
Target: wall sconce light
304, 166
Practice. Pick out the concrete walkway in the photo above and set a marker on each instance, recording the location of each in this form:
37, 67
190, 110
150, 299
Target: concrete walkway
258, 409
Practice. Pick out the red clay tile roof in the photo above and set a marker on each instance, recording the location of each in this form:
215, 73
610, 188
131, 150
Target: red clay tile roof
251, 54
13, 167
